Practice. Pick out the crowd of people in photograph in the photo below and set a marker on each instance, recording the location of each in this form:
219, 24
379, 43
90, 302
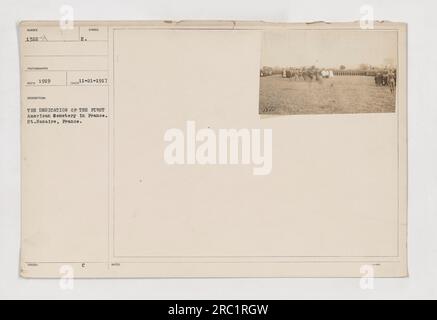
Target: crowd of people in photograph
384, 77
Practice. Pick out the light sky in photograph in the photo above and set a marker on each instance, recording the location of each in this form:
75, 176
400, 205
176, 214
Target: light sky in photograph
329, 48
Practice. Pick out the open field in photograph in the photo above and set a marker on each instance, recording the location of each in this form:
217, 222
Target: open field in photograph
340, 94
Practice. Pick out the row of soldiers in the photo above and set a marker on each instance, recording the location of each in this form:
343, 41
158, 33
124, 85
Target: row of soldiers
306, 73
386, 78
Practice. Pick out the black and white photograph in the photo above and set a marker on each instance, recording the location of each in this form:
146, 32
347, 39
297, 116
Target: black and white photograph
328, 71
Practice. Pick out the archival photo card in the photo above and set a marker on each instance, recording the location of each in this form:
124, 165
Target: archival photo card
143, 153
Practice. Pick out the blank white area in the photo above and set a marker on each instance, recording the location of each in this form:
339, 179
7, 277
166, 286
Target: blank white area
422, 129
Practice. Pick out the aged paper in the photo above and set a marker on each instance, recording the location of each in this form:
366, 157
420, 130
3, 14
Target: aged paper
213, 149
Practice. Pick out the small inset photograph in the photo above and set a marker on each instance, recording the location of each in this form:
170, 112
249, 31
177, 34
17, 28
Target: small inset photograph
328, 71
